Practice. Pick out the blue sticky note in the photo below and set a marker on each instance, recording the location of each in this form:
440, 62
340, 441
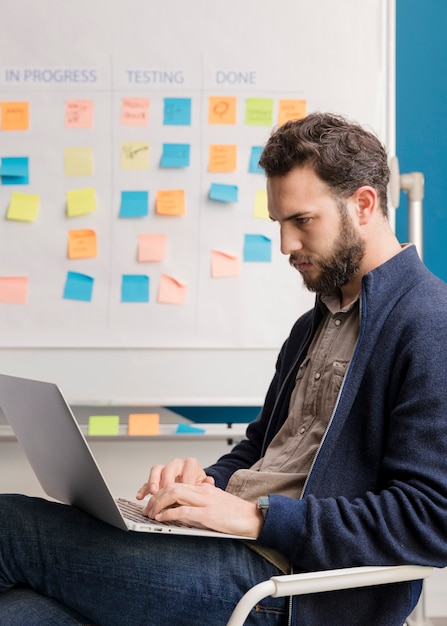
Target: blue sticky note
134, 203
223, 193
14, 170
257, 248
78, 287
255, 155
134, 288
186, 429
175, 155
177, 112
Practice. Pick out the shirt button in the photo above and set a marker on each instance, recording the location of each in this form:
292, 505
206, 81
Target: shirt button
337, 322
317, 376
302, 431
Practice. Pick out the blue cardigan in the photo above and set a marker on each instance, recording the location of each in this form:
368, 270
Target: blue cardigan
377, 490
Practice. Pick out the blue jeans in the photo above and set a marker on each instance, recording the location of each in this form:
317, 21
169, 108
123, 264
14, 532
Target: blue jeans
61, 566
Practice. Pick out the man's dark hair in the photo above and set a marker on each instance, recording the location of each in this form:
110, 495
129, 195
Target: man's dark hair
342, 153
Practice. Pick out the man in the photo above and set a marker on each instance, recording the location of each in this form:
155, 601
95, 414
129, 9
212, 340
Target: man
346, 464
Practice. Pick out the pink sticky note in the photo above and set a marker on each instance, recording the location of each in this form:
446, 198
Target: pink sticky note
135, 111
224, 265
171, 290
151, 247
13, 289
79, 114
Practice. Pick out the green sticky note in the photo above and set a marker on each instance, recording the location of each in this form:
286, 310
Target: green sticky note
103, 425
259, 112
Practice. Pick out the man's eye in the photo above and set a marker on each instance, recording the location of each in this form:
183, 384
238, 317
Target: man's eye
302, 220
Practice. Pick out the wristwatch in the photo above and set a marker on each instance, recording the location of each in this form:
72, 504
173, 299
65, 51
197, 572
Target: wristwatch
263, 505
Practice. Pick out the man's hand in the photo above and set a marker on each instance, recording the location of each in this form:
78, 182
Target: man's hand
187, 471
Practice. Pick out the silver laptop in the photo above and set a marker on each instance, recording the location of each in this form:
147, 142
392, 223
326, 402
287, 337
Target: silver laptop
63, 462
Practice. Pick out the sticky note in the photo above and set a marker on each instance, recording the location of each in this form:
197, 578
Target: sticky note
177, 112
260, 209
222, 158
15, 115
186, 429
134, 203
78, 287
103, 425
135, 111
23, 207
14, 289
134, 288
82, 244
143, 424
175, 155
135, 155
223, 193
291, 110
259, 111
255, 155
170, 202
222, 110
151, 247
14, 171
171, 290
81, 202
78, 162
224, 265
79, 113
257, 248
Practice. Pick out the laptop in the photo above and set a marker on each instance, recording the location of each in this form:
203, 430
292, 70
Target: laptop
63, 463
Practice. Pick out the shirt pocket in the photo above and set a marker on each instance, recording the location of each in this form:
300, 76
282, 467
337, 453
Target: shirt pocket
335, 373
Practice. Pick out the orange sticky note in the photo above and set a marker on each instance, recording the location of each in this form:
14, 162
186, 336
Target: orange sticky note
171, 290
222, 158
135, 111
291, 110
15, 115
82, 244
170, 202
14, 289
222, 110
151, 247
141, 424
224, 265
79, 114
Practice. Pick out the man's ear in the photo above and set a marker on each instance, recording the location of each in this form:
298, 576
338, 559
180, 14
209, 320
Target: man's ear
366, 203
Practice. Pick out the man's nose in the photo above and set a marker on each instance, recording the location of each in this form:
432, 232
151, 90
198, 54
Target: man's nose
290, 239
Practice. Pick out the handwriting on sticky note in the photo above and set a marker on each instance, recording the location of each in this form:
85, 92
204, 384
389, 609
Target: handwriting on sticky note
260, 209
259, 112
170, 202
177, 112
15, 115
14, 289
78, 287
175, 155
81, 202
291, 110
79, 113
222, 158
23, 207
171, 290
103, 425
135, 155
143, 424
222, 110
135, 111
151, 247
224, 265
78, 162
82, 244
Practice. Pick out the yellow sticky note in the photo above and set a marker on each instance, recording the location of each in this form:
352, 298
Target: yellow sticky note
224, 265
103, 425
171, 290
15, 115
260, 209
170, 202
151, 247
78, 162
81, 202
135, 155
222, 110
23, 207
141, 424
135, 111
259, 112
222, 158
79, 113
82, 244
13, 289
291, 110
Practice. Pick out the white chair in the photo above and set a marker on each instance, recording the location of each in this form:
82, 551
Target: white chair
330, 580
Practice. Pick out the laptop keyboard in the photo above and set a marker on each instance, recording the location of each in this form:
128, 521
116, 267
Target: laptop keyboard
133, 511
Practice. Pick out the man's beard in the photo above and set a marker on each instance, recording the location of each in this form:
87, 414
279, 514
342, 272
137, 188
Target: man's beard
343, 262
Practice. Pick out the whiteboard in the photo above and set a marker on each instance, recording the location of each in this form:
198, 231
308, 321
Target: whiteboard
253, 54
